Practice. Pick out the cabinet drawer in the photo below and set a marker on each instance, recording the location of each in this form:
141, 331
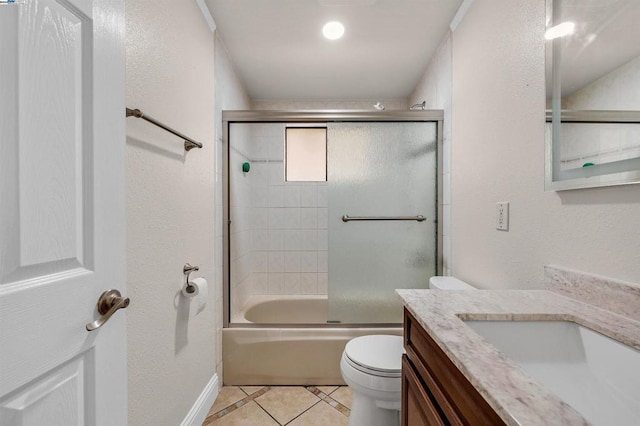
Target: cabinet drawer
418, 408
459, 401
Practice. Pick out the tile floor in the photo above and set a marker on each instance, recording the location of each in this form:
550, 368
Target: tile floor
281, 405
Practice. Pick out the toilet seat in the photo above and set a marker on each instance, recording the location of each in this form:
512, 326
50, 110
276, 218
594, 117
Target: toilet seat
376, 355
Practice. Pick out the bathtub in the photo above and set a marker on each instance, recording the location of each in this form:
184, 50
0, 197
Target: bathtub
278, 351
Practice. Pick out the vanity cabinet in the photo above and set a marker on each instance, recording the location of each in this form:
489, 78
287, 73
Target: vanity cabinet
434, 391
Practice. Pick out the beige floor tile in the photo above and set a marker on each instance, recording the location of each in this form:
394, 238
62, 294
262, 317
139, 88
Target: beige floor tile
321, 415
247, 415
286, 402
251, 389
228, 395
327, 389
343, 395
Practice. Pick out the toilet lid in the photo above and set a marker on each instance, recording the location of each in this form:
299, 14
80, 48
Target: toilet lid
379, 353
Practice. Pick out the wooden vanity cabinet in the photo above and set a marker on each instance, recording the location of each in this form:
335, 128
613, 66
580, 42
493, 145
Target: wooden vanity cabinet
434, 391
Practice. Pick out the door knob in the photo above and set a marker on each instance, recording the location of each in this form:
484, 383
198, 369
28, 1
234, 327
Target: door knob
108, 303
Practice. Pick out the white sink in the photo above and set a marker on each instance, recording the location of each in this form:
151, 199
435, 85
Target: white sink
598, 376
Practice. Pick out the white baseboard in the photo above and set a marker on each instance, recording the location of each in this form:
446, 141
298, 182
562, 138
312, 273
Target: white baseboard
201, 407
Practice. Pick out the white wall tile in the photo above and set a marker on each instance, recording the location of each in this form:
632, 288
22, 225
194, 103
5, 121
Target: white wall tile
308, 218
308, 196
276, 218
308, 239
323, 239
259, 197
276, 239
323, 283
322, 194
276, 147
276, 283
259, 174
276, 261
292, 239
260, 239
260, 283
308, 261
323, 261
323, 218
260, 261
292, 261
292, 195
260, 149
292, 218
292, 283
309, 283
260, 218
276, 174
276, 196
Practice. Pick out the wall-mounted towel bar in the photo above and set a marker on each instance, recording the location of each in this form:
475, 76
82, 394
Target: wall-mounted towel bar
189, 143
418, 218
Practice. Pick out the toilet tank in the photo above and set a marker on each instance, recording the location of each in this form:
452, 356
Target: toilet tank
448, 283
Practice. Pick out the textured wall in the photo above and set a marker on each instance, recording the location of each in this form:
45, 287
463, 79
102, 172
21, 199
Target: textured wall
170, 207
498, 155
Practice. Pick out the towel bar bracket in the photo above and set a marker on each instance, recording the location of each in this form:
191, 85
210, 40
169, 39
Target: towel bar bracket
189, 143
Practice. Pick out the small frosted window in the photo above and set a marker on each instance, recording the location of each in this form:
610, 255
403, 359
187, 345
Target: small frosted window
306, 154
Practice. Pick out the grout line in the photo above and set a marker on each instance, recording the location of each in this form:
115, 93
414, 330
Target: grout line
231, 408
313, 389
268, 413
343, 409
313, 405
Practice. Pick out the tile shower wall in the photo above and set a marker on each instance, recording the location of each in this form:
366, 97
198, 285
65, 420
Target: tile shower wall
289, 224
240, 200
286, 221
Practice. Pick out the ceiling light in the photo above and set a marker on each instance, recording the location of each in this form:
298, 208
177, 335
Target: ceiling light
333, 30
560, 30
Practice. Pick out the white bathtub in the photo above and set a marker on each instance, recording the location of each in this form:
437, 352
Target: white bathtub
286, 355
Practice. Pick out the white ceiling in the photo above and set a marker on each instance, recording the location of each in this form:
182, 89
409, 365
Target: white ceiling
278, 49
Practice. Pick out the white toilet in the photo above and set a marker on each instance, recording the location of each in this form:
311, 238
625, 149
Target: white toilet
372, 367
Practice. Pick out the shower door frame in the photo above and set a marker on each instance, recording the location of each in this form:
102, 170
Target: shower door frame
318, 117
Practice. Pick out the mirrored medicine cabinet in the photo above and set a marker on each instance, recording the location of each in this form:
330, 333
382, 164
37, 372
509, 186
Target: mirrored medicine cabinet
593, 93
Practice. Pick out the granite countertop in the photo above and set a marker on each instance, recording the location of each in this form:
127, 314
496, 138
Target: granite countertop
516, 397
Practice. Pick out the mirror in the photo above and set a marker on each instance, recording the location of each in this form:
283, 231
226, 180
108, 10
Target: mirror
593, 93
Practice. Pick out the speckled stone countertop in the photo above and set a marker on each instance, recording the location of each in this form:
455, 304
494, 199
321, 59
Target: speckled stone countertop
516, 397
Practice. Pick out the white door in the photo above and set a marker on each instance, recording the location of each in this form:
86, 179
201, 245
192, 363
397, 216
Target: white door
62, 215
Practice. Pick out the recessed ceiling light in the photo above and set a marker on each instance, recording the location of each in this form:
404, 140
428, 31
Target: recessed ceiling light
333, 30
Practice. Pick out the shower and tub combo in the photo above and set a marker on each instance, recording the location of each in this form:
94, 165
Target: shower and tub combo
334, 212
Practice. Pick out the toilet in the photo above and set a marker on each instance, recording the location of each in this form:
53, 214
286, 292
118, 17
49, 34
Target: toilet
372, 367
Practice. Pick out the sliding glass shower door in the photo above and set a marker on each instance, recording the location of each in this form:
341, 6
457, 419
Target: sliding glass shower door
382, 216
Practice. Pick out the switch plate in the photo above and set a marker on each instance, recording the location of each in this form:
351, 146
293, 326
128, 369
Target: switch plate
502, 216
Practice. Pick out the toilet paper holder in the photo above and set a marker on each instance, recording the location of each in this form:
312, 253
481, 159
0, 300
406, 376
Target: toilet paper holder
187, 270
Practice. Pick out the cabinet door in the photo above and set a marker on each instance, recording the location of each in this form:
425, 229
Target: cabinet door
418, 408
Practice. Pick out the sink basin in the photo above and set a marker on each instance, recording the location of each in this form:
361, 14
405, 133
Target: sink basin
598, 376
